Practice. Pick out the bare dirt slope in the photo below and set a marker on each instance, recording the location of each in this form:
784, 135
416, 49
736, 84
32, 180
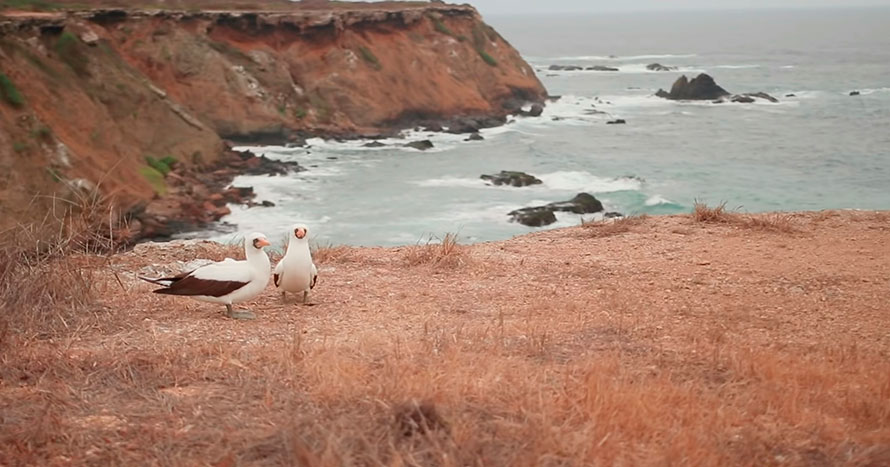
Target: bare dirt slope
655, 341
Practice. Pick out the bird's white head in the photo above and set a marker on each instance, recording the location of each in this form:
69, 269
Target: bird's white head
299, 231
255, 241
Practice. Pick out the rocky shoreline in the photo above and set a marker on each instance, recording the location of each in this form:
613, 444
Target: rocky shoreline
195, 199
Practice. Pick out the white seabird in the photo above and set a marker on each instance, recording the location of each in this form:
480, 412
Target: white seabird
226, 282
296, 272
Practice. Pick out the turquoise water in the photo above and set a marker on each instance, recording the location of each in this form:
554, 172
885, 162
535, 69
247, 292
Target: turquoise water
821, 149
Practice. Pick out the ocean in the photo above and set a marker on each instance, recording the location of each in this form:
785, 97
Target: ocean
820, 149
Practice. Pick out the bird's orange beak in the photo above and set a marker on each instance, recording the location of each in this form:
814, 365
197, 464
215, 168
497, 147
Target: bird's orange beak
263, 242
300, 233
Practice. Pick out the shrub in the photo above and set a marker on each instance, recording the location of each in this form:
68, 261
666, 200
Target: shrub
487, 58
479, 38
439, 26
69, 49
19, 147
42, 132
154, 178
163, 165
10, 93
369, 57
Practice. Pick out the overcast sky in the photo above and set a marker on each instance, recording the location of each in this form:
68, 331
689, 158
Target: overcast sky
598, 6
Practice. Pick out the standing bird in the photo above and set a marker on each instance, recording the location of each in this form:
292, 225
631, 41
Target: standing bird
296, 272
226, 282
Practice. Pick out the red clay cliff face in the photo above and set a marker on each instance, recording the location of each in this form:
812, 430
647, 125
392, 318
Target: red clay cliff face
363, 71
105, 90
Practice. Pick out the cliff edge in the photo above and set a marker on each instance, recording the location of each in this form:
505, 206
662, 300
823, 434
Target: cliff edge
95, 98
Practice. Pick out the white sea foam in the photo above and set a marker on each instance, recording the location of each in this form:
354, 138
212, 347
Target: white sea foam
451, 182
585, 181
630, 68
735, 67
589, 58
657, 200
567, 181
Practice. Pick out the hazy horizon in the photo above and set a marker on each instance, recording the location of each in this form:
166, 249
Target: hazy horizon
501, 7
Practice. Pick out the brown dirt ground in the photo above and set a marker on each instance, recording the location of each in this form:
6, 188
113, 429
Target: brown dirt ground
656, 341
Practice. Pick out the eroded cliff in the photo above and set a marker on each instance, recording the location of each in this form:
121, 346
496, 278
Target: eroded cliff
99, 97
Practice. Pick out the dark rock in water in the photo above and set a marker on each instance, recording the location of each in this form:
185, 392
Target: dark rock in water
565, 68
556, 119
434, 127
251, 165
790, 95
553, 98
601, 68
701, 87
612, 215
474, 124
762, 95
373, 144
659, 67
512, 178
535, 111
617, 121
582, 203
748, 98
855, 93
475, 137
422, 145
533, 217
331, 158
594, 112
537, 216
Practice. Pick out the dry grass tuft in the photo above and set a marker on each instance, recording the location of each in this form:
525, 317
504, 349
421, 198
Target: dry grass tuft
772, 222
448, 253
608, 228
322, 254
418, 418
701, 212
47, 270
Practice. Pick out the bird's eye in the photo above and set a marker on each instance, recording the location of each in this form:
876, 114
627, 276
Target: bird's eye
256, 243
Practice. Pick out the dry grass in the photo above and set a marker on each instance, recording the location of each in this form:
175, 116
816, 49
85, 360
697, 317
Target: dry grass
771, 222
608, 228
732, 351
777, 222
701, 212
47, 270
325, 254
447, 253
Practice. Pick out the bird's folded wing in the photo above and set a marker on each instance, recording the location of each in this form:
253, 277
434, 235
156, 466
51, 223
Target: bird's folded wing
213, 280
314, 277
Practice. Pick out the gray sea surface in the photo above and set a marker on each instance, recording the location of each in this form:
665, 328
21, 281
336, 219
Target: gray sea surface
818, 149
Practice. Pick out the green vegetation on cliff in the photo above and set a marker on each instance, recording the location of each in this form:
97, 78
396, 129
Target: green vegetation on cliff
9, 92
